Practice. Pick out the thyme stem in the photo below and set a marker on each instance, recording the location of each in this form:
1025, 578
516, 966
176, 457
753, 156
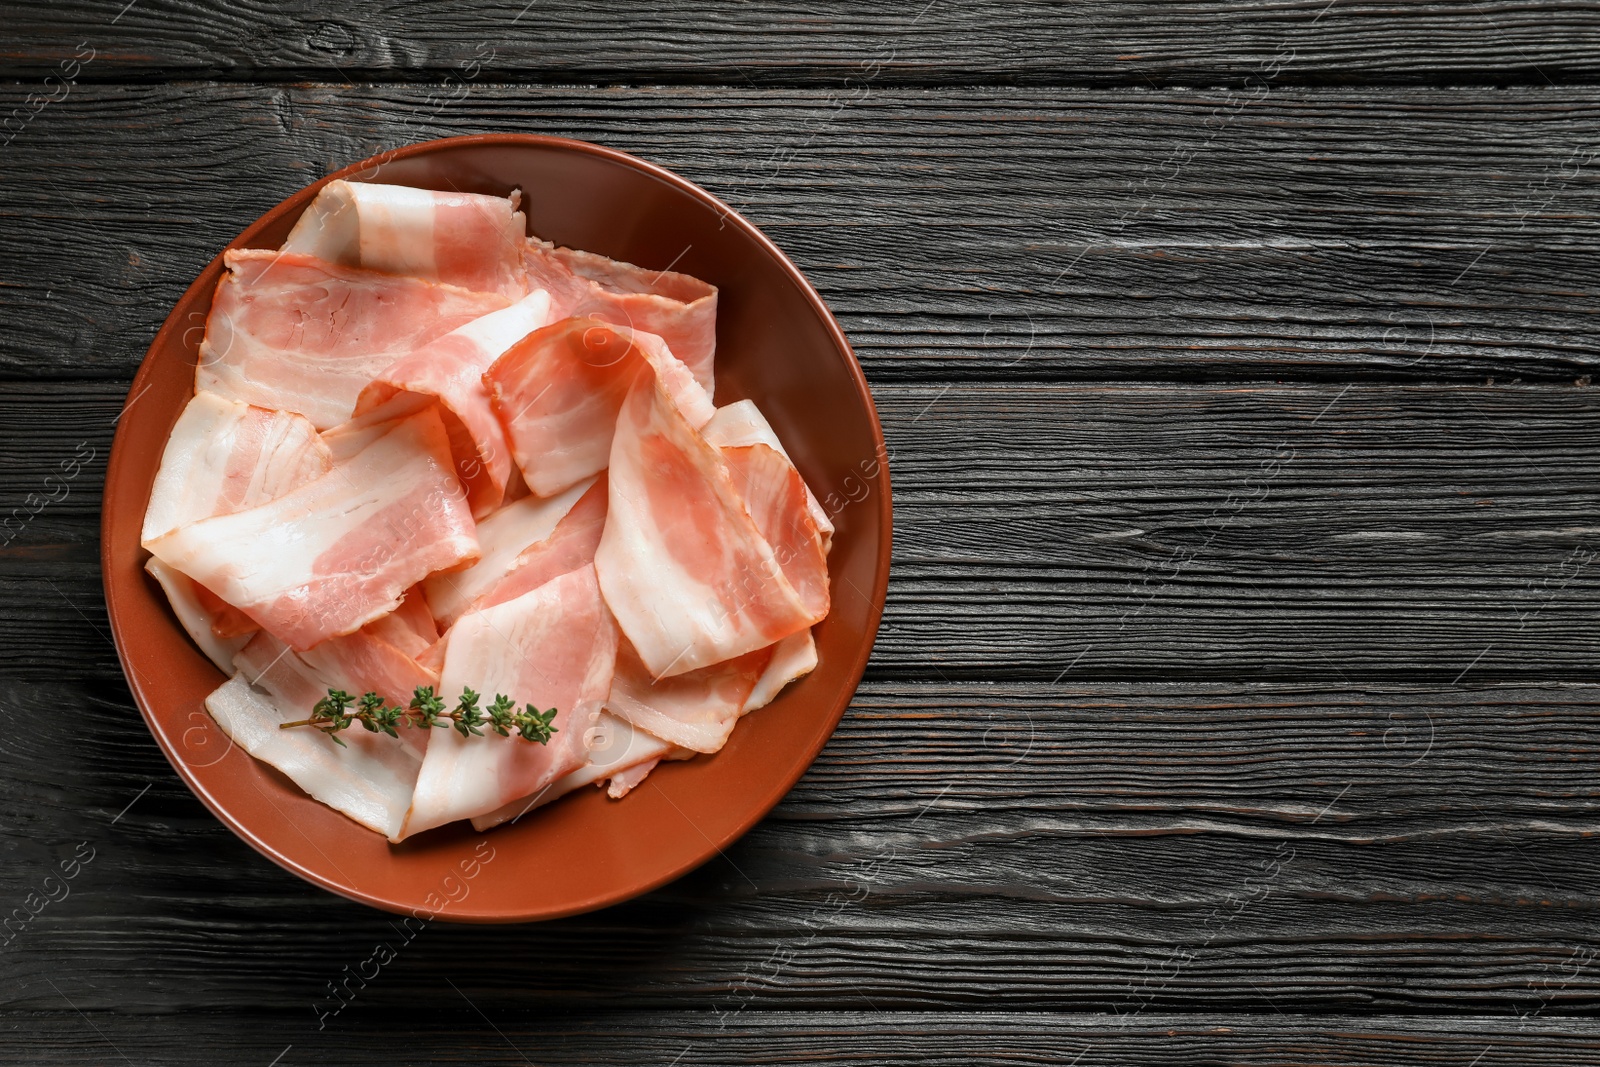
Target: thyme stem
339, 710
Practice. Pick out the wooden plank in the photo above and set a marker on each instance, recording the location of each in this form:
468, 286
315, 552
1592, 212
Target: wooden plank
1111, 848
936, 42
982, 234
449, 1032
1341, 533
1311, 532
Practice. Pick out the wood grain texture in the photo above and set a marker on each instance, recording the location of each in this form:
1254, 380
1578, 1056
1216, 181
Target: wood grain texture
1127, 531
1120, 849
928, 42
449, 1033
957, 234
1236, 697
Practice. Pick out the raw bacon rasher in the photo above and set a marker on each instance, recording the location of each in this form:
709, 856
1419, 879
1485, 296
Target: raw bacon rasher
184, 594
697, 709
370, 777
338, 552
559, 391
678, 308
524, 545
741, 424
618, 753
292, 332
463, 239
225, 456
449, 370
553, 647
685, 569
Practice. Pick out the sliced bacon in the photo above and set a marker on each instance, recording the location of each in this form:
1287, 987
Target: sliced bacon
616, 749
333, 555
183, 593
625, 782
571, 546
465, 239
553, 647
741, 424
524, 545
226, 620
409, 627
697, 709
370, 779
775, 498
516, 487
678, 308
294, 332
450, 370
558, 393
224, 456
685, 569
371, 776
432, 657
793, 657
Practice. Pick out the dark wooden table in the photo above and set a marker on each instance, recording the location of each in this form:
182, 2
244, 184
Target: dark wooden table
1236, 699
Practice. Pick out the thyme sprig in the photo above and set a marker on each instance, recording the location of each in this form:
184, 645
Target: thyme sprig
339, 711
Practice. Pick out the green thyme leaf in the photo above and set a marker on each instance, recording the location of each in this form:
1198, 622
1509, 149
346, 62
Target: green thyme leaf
339, 710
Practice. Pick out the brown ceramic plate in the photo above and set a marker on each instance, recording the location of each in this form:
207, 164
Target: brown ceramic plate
776, 344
